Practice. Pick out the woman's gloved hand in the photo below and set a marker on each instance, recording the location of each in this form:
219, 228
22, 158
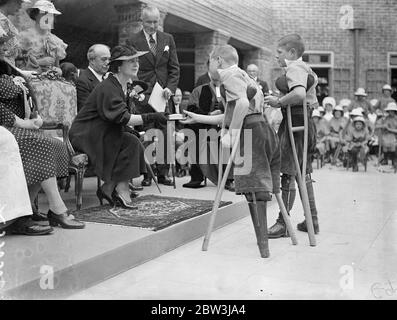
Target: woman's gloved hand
159, 117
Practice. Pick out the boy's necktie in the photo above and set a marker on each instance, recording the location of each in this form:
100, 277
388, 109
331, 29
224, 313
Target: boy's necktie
152, 44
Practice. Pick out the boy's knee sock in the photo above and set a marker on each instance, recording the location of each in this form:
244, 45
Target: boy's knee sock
288, 193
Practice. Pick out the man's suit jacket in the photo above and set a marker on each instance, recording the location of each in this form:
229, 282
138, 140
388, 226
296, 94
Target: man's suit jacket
162, 67
86, 82
203, 79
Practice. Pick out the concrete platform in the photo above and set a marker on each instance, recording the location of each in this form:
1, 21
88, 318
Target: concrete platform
59, 265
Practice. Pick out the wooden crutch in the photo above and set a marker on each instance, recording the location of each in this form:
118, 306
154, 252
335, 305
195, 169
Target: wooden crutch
299, 173
219, 191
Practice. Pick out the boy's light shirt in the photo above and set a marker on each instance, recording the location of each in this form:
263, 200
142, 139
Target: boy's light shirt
297, 72
288, 62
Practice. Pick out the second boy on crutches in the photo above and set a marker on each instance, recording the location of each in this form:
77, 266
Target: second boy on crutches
289, 55
264, 176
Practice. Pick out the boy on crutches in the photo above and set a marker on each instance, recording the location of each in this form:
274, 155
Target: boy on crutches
243, 111
296, 89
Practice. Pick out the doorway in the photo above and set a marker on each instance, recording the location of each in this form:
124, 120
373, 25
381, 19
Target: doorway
322, 89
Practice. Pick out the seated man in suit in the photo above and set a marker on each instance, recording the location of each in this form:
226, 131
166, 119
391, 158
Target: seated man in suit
159, 65
252, 71
98, 57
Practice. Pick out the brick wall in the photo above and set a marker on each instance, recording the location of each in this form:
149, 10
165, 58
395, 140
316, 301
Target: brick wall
317, 21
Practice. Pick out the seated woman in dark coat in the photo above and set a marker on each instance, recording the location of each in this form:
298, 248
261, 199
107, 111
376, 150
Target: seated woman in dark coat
101, 129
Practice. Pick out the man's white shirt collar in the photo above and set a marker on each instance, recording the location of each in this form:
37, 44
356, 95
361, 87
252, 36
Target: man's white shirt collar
96, 74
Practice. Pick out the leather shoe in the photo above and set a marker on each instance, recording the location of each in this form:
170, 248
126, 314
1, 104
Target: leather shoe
165, 181
229, 185
26, 226
193, 184
133, 194
63, 221
135, 188
302, 226
278, 230
147, 182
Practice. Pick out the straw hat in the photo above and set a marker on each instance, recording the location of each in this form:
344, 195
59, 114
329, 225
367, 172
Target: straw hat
386, 87
320, 109
338, 108
360, 92
316, 113
329, 100
391, 106
345, 102
44, 6
356, 112
359, 118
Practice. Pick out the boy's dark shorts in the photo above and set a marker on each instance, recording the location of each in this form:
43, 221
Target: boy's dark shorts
287, 159
265, 172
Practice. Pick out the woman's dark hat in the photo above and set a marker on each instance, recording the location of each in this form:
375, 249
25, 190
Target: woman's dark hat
123, 53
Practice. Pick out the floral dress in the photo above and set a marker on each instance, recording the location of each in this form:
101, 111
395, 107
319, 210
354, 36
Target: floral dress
36, 46
43, 157
9, 43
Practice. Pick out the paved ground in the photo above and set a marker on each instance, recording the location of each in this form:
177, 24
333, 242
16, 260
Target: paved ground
355, 256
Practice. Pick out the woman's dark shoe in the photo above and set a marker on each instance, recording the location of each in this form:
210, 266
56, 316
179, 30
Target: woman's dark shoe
124, 203
26, 226
193, 184
63, 221
147, 182
102, 195
134, 194
134, 187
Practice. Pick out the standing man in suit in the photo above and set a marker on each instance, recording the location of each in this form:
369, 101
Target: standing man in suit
252, 71
98, 57
159, 65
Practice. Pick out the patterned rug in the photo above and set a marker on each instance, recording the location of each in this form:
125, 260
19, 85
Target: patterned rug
154, 212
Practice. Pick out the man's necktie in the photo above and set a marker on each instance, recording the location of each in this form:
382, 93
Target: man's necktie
152, 44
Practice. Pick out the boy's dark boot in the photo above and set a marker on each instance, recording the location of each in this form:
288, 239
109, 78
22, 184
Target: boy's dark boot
288, 193
259, 219
313, 210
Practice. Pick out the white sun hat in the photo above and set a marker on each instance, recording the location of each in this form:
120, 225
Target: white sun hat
338, 108
386, 87
356, 112
316, 113
345, 102
359, 118
44, 6
391, 106
329, 100
360, 92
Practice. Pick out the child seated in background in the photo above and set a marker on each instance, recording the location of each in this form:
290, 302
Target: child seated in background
322, 132
388, 133
346, 106
329, 104
336, 125
357, 139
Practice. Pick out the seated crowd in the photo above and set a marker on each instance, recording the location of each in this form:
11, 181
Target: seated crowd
349, 132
